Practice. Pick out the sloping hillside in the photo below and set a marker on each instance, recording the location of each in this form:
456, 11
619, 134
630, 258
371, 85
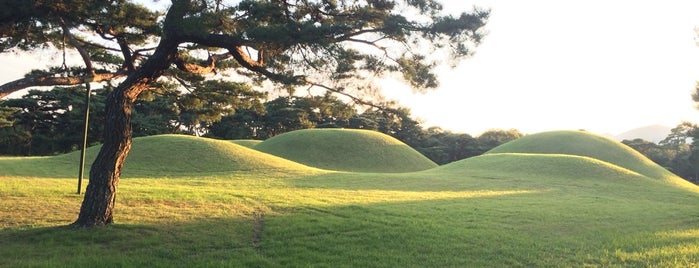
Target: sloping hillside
246, 143
525, 165
587, 144
154, 156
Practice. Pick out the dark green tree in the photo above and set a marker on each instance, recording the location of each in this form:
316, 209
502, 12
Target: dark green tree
14, 138
363, 121
679, 135
495, 137
208, 102
661, 155
6, 116
44, 122
156, 112
326, 111
281, 115
396, 122
243, 124
284, 114
445, 147
678, 152
326, 45
685, 155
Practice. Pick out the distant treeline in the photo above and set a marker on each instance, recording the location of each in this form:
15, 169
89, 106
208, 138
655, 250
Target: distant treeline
51, 122
678, 152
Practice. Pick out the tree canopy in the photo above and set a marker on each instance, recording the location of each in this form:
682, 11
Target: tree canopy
334, 45
315, 45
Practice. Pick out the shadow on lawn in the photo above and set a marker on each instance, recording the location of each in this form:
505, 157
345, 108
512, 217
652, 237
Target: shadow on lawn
565, 228
198, 243
488, 231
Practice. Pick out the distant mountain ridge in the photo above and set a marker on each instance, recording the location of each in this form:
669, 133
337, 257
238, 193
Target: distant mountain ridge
654, 133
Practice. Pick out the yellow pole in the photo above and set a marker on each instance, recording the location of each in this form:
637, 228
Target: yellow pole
87, 123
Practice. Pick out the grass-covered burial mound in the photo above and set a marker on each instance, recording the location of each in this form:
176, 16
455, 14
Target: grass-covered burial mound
346, 150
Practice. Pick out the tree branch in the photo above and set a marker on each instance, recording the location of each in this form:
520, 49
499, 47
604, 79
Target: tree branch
355, 99
51, 80
183, 65
126, 52
349, 35
214, 40
235, 46
124, 48
86, 43
367, 42
81, 49
259, 67
184, 84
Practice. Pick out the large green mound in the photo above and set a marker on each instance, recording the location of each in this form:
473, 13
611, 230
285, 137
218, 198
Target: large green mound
582, 143
525, 166
157, 156
346, 150
180, 154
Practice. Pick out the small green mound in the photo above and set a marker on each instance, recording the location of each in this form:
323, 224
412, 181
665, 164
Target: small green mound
158, 156
584, 143
346, 150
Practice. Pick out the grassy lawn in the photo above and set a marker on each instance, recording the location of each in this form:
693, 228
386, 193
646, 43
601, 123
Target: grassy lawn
506, 209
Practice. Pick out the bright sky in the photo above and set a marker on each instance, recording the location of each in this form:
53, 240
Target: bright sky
600, 65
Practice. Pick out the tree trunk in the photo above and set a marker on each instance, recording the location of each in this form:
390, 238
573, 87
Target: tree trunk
98, 204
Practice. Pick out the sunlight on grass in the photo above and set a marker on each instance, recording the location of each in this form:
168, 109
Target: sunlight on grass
50, 202
682, 184
691, 233
352, 197
356, 219
231, 206
587, 144
677, 254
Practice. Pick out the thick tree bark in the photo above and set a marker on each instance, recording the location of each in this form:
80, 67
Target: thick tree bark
100, 196
98, 204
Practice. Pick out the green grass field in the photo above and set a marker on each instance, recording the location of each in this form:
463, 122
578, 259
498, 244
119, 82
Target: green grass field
195, 202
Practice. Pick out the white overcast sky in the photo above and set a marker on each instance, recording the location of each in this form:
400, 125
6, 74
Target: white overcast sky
606, 66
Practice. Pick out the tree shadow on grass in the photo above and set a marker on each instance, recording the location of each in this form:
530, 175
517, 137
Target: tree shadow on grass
202, 243
497, 231
507, 230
